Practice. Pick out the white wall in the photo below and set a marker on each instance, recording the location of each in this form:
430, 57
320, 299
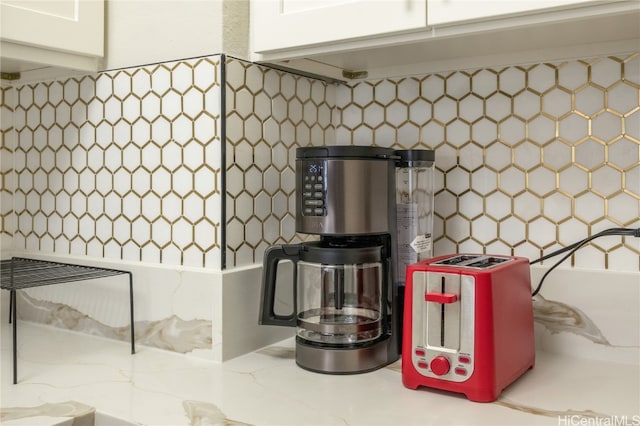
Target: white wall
139, 32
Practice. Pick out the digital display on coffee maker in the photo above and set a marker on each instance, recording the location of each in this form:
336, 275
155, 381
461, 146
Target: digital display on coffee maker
313, 190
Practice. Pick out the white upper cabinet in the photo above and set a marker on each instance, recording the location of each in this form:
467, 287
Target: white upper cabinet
61, 33
350, 39
284, 24
441, 12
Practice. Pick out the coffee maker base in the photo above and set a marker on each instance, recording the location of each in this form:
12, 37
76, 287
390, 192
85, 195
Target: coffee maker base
344, 361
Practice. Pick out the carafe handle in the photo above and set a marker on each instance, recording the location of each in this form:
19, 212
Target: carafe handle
272, 257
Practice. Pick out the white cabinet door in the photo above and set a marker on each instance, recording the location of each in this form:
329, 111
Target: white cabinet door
283, 24
71, 26
451, 11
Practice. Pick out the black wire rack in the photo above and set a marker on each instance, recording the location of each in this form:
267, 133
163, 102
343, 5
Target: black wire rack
20, 273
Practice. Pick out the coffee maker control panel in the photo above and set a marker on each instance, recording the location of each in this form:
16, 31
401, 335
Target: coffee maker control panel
314, 189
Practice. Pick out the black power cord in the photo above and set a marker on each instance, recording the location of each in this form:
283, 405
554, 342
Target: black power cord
575, 246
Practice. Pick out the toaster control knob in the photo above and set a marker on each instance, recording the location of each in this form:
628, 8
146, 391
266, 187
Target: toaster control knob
440, 365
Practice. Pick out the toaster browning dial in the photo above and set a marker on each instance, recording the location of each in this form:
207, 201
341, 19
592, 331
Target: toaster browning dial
440, 365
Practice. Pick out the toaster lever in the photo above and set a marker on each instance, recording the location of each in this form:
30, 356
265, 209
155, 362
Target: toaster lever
441, 297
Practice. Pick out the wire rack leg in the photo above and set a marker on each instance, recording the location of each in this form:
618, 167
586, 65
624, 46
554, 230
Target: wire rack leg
12, 298
133, 333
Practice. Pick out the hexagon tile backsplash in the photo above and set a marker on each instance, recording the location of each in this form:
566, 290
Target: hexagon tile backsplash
529, 158
121, 164
128, 164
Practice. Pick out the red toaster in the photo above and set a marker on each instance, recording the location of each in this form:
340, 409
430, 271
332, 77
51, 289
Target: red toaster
468, 324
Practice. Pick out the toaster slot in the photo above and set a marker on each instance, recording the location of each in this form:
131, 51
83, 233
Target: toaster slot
456, 260
488, 262
443, 311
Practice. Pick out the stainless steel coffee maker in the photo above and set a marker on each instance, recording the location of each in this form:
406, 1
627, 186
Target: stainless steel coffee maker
347, 297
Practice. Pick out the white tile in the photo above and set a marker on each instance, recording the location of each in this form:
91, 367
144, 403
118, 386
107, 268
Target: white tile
396, 113
103, 87
408, 135
235, 233
171, 104
254, 82
541, 129
606, 180
484, 181
589, 207
589, 100
526, 206
573, 128
420, 112
471, 157
85, 90
573, 180
253, 181
498, 106
622, 98
470, 205
140, 82
589, 154
33, 117
557, 155
287, 180
573, 75
150, 106
484, 82
556, 102
160, 79
47, 116
244, 206
458, 133
471, 108
71, 92
205, 73
527, 155
288, 227
458, 85
605, 72
121, 84
484, 230
498, 156
79, 113
95, 205
182, 77
140, 231
458, 228
352, 116
542, 181
511, 80
96, 111
623, 153
432, 87
457, 180
205, 181
512, 230
363, 94
444, 110
526, 105
131, 206
498, 206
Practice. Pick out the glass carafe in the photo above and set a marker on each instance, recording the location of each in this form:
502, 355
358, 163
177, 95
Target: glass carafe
338, 288
339, 304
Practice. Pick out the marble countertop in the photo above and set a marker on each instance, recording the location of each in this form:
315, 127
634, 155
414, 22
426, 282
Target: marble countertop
70, 378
